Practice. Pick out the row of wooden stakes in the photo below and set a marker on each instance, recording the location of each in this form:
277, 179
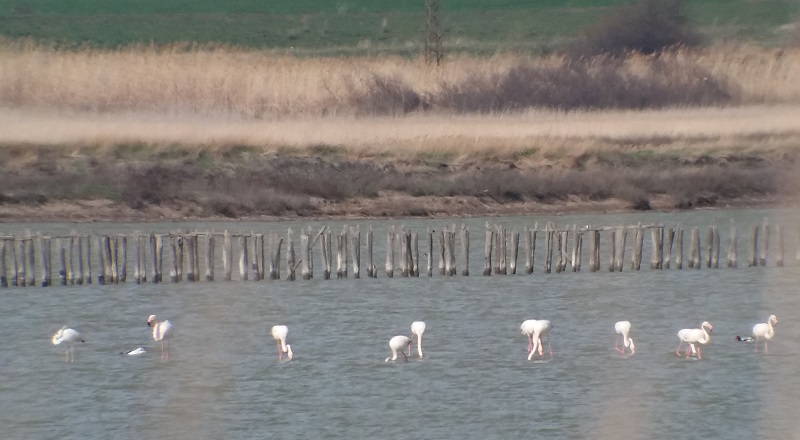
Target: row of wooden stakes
260, 255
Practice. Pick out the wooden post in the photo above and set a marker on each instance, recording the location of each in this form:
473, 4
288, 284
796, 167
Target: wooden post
31, 260
448, 252
548, 248
679, 254
227, 256
710, 248
430, 252
762, 260
732, 242
14, 263
70, 258
101, 254
579, 238
329, 254
487, 251
753, 260
290, 257
305, 254
3, 267
390, 251
415, 254
670, 239
44, 257
137, 269
22, 264
371, 273
62, 253
346, 250
210, 242
594, 243
526, 235
465, 249
502, 258
612, 266
326, 264
575, 242
559, 238
154, 258
173, 242
440, 237
88, 258
340, 261
190, 253
355, 234
779, 258
655, 259
622, 235
693, 248
715, 257
244, 258
638, 244
76, 244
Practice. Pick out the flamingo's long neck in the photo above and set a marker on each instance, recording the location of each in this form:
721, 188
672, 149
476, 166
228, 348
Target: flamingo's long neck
283, 345
626, 341
771, 331
419, 344
706, 336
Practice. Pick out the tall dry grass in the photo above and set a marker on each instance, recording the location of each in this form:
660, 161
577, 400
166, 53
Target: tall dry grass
182, 80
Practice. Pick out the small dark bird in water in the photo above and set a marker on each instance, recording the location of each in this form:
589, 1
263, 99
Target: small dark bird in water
745, 339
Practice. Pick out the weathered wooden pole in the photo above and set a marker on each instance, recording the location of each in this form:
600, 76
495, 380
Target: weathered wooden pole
502, 249
559, 251
23, 263
593, 250
526, 235
694, 250
710, 247
355, 235
448, 252
430, 253
227, 256
390, 251
762, 260
512, 266
453, 267
487, 251
14, 263
732, 243
401, 239
440, 238
88, 239
679, 254
79, 275
575, 242
577, 266
415, 254
44, 257
329, 254
658, 247
137, 269
548, 248
326, 264
154, 258
3, 266
210, 243
31, 261
622, 235
290, 257
190, 254
465, 249
244, 258
62, 254
341, 262
371, 272
779, 257
670, 240
753, 260
612, 266
305, 249
346, 246
715, 257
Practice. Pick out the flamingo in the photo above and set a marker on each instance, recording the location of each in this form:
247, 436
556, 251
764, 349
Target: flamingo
162, 331
623, 328
70, 337
765, 331
535, 329
279, 333
134, 352
399, 342
694, 336
418, 328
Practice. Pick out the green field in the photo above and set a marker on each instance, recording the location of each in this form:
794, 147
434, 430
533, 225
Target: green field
358, 26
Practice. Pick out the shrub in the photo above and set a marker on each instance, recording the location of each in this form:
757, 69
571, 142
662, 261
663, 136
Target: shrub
647, 26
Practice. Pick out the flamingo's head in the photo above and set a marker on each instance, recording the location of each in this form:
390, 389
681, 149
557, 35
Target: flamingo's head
150, 320
773, 319
706, 324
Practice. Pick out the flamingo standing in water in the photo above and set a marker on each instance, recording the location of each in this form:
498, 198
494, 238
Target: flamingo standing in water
693, 337
623, 328
418, 328
162, 332
765, 331
279, 333
399, 343
70, 337
535, 329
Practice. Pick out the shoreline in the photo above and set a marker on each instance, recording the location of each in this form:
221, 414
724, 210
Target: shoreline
106, 211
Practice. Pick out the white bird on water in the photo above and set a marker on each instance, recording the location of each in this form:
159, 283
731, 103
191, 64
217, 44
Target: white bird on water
693, 337
70, 337
535, 329
162, 332
399, 343
762, 332
623, 329
279, 333
418, 328
134, 352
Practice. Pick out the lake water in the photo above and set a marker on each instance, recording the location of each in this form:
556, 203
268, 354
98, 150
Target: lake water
223, 379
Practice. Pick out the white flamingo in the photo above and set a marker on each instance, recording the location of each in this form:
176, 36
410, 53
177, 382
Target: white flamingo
418, 328
623, 329
162, 332
535, 329
693, 337
135, 352
399, 343
70, 337
279, 334
765, 331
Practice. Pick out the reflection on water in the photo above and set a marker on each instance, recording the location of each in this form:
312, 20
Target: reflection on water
224, 378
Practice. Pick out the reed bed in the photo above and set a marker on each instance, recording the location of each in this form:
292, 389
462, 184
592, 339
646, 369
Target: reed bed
249, 84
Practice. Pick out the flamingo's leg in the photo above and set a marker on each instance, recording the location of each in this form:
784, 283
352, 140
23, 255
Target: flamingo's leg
699, 353
280, 352
678, 350
530, 343
616, 344
549, 346
765, 347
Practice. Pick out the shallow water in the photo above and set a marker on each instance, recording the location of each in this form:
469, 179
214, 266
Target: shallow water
223, 378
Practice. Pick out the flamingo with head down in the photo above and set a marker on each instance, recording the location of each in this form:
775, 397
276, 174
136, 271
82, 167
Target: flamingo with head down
70, 337
279, 334
399, 343
418, 328
534, 329
623, 328
694, 337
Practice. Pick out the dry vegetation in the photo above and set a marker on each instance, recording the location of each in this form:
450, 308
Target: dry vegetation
227, 132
